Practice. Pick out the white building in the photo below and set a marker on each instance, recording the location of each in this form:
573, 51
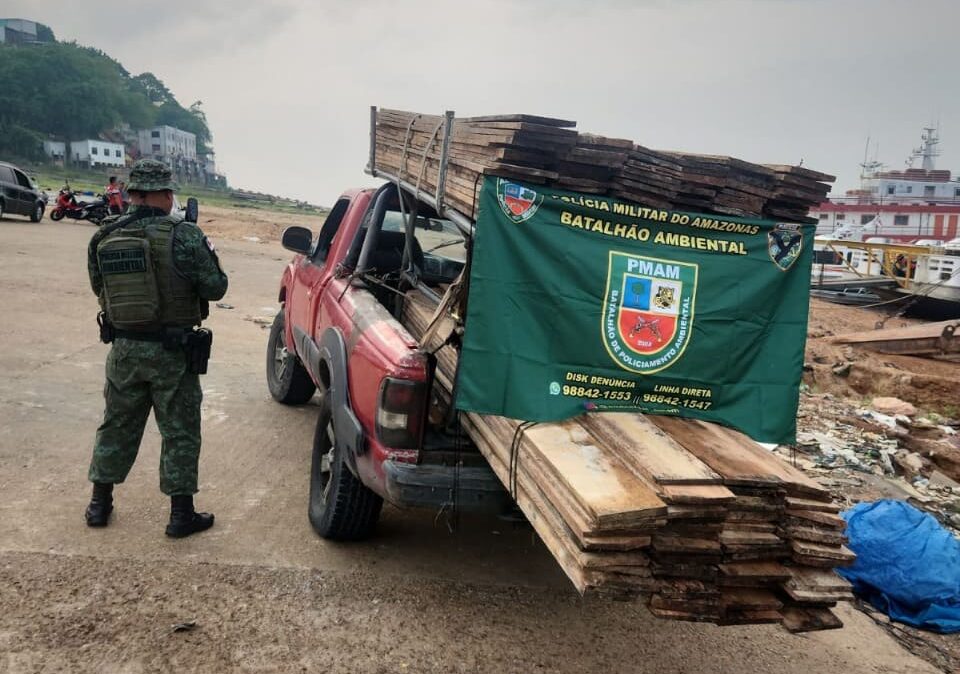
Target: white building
55, 149
904, 206
167, 143
899, 222
97, 153
18, 31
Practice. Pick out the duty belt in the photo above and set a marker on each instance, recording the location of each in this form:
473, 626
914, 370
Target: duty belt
169, 336
139, 336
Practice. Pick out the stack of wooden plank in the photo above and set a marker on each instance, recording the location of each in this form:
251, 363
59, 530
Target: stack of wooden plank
724, 185
524, 147
548, 151
592, 164
695, 519
649, 177
795, 188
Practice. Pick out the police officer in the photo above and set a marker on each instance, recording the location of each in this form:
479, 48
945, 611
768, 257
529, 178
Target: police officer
153, 273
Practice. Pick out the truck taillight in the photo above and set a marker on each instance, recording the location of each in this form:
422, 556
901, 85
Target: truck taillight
400, 413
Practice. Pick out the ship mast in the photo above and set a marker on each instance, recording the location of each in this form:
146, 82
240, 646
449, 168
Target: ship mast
868, 171
928, 150
869, 167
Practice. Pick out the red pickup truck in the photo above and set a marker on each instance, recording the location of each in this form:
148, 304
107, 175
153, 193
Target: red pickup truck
380, 434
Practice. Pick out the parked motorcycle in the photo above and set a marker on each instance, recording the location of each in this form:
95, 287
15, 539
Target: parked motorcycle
68, 207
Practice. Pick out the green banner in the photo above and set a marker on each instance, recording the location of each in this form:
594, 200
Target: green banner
581, 303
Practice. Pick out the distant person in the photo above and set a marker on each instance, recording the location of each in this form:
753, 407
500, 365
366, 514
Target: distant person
900, 266
114, 196
153, 273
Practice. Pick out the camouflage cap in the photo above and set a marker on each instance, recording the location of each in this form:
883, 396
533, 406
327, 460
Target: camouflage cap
150, 175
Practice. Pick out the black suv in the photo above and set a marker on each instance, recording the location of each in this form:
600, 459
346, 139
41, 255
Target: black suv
19, 194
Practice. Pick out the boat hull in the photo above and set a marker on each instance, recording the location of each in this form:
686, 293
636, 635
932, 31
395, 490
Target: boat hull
933, 307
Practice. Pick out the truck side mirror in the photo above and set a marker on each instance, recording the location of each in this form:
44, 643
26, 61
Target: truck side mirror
297, 239
193, 210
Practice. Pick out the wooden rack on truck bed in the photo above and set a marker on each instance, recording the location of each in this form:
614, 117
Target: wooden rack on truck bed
434, 198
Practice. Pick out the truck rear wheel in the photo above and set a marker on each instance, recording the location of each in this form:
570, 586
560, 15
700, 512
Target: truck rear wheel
287, 379
341, 507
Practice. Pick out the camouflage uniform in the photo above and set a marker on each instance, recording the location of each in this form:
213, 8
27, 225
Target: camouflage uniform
142, 375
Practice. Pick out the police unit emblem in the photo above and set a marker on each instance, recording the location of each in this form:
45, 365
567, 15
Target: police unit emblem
648, 312
518, 202
784, 243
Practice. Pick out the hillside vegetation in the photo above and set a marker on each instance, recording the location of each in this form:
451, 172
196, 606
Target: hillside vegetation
67, 92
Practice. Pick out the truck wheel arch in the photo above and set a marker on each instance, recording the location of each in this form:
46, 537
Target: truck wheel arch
330, 368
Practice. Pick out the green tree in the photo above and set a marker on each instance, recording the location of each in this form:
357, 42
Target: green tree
154, 89
45, 33
69, 92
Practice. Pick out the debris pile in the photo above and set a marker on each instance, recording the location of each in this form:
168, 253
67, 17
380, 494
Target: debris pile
884, 449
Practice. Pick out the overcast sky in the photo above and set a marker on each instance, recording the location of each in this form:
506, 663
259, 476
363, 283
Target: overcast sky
287, 84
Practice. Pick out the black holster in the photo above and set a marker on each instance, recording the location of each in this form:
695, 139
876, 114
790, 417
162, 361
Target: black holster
107, 333
197, 345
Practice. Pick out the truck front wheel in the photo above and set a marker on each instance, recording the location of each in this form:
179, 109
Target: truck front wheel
287, 379
341, 507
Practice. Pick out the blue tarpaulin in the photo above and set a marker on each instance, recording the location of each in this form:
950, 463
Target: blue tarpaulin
908, 565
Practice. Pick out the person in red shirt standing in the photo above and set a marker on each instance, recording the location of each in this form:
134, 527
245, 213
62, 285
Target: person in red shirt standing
114, 196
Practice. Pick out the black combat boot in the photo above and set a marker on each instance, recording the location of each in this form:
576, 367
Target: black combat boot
184, 520
101, 505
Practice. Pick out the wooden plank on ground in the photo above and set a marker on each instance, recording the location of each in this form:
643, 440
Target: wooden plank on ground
755, 599
764, 571
797, 619
813, 517
817, 579
810, 504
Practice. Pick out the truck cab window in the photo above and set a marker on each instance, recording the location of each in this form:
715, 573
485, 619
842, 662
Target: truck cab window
438, 248
328, 231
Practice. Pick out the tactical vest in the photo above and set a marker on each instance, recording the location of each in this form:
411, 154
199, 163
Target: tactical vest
142, 287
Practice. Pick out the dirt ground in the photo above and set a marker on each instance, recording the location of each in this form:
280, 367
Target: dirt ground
933, 385
263, 593
251, 224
